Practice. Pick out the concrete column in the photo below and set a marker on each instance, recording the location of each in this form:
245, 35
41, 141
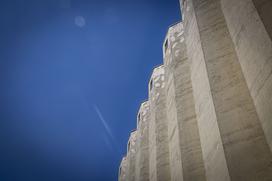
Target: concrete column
131, 153
186, 160
123, 171
159, 151
233, 143
142, 153
250, 35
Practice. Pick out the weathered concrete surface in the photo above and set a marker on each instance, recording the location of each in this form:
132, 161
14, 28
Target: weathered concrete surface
233, 142
186, 160
131, 154
211, 143
152, 148
264, 8
123, 173
159, 151
142, 152
210, 106
173, 128
254, 51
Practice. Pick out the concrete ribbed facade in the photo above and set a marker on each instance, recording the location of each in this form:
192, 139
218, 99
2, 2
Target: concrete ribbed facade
209, 112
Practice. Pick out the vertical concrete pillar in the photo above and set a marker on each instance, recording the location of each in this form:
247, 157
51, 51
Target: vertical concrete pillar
233, 143
159, 151
186, 160
123, 171
171, 110
249, 31
131, 153
142, 153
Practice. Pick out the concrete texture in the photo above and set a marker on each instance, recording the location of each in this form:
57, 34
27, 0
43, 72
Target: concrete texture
123, 173
142, 151
211, 143
209, 112
131, 156
254, 50
264, 9
246, 151
184, 142
159, 150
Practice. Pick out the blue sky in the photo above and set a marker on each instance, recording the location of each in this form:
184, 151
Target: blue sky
73, 74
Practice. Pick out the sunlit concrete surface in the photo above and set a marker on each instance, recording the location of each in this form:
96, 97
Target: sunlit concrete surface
210, 103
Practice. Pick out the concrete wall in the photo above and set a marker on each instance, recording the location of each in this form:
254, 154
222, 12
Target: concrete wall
172, 119
152, 148
123, 173
159, 128
209, 115
211, 143
131, 156
254, 50
185, 150
142, 152
264, 8
227, 109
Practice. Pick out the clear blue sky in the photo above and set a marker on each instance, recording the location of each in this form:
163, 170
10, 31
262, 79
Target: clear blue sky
72, 76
